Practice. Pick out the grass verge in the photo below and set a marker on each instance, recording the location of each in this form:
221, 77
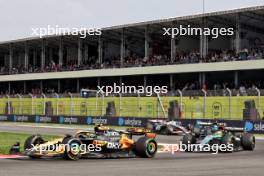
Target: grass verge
8, 139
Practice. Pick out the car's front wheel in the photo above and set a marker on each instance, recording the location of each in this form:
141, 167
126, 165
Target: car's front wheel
187, 140
248, 141
72, 148
31, 142
146, 147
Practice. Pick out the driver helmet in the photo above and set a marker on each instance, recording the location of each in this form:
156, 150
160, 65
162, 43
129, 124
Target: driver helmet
215, 128
98, 127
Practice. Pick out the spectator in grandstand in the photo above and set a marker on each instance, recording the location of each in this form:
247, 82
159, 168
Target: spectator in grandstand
217, 86
134, 60
242, 90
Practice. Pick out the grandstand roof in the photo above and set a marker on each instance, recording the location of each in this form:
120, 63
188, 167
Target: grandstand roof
257, 16
189, 17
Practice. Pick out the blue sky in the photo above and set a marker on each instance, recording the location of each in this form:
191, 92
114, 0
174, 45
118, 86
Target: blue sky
18, 17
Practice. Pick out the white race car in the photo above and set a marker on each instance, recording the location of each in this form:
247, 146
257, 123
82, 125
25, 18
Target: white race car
167, 127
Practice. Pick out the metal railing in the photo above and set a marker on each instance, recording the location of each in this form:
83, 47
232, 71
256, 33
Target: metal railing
202, 105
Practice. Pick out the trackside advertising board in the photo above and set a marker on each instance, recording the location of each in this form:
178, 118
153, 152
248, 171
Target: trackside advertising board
250, 126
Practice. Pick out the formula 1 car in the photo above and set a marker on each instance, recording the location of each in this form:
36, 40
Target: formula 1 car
167, 127
207, 133
103, 142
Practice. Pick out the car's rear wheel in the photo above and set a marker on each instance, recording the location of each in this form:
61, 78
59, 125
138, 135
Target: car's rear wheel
187, 140
170, 129
167, 130
196, 131
146, 147
149, 126
72, 148
248, 141
31, 142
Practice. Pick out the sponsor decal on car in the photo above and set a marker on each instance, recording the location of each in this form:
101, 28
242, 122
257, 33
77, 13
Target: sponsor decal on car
113, 145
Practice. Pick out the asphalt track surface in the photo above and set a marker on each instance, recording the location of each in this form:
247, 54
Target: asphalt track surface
243, 163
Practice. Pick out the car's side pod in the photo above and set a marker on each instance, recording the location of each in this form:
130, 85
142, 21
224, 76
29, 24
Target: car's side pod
151, 135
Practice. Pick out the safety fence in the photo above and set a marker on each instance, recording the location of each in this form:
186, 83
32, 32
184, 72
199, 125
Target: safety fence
179, 105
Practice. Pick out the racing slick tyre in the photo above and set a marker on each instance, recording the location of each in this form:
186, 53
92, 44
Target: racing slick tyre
187, 140
167, 130
146, 147
31, 142
72, 148
163, 130
149, 126
197, 132
248, 141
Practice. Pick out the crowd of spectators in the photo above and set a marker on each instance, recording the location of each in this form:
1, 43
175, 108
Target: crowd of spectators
136, 61
246, 88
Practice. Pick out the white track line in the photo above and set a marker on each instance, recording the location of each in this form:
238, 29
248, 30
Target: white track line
76, 128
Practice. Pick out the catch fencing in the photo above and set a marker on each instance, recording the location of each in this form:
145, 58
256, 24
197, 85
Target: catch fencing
223, 104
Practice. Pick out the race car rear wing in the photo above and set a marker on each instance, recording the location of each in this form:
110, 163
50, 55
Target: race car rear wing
209, 123
231, 129
235, 129
138, 131
204, 123
141, 131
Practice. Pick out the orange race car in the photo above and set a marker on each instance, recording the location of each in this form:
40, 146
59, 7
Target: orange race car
103, 142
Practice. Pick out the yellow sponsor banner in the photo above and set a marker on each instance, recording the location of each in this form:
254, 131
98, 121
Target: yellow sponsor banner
192, 107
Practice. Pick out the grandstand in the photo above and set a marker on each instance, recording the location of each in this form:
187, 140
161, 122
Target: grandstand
139, 54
